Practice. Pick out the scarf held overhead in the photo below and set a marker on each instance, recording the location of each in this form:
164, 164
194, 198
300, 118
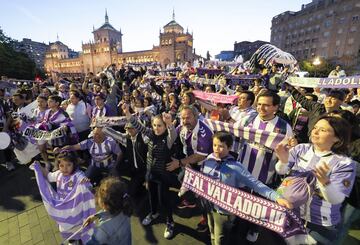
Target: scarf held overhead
268, 139
215, 97
38, 134
311, 82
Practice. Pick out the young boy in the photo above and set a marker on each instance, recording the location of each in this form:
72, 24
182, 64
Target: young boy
221, 166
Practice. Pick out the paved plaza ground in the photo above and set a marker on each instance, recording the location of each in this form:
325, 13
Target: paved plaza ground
23, 219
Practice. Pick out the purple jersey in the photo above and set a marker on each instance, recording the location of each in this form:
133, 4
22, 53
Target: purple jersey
258, 159
342, 175
198, 141
65, 183
103, 112
103, 154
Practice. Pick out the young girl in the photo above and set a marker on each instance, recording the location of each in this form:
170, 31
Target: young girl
72, 202
162, 136
114, 217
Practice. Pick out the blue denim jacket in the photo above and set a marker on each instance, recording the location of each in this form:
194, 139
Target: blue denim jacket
112, 230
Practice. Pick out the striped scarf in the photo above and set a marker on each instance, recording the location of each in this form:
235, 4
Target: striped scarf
268, 139
68, 211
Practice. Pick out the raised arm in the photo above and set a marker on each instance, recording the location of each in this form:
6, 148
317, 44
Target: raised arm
172, 134
119, 137
138, 126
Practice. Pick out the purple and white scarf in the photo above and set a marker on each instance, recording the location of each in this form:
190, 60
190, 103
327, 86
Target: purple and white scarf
68, 211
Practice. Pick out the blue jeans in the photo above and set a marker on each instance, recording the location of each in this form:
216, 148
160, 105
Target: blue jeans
96, 174
324, 234
349, 216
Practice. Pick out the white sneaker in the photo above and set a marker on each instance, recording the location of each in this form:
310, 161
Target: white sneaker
9, 166
150, 218
252, 236
169, 230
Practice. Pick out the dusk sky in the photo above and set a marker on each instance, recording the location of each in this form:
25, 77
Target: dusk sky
216, 25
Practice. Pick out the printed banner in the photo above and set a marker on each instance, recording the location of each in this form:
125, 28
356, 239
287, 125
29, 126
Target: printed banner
38, 134
311, 82
244, 205
268, 139
108, 121
215, 97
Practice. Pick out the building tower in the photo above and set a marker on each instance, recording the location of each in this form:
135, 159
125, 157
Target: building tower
175, 45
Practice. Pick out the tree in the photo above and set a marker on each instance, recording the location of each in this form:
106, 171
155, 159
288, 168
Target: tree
14, 64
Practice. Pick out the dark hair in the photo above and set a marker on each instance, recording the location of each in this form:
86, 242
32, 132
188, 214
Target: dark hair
313, 96
42, 97
338, 94
191, 96
268, 93
250, 95
76, 93
225, 137
148, 99
112, 192
342, 130
69, 157
351, 119
56, 98
21, 96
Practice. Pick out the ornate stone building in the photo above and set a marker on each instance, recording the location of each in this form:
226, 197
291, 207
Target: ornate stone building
175, 45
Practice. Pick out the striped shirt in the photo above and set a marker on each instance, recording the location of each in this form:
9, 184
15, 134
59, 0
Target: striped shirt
103, 112
65, 183
342, 175
103, 154
198, 141
258, 159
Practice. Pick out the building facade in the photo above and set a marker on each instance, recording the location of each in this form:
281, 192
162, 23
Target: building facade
247, 49
35, 50
322, 28
175, 45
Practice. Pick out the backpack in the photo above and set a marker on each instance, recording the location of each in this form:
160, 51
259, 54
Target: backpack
298, 187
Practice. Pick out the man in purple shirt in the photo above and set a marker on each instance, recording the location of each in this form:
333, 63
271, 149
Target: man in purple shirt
196, 138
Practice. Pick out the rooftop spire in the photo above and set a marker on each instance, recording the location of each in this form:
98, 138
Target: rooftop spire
173, 15
57, 37
106, 17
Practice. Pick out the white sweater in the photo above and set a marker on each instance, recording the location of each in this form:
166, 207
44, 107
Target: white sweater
79, 116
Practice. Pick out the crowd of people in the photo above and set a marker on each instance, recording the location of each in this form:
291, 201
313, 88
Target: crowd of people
163, 129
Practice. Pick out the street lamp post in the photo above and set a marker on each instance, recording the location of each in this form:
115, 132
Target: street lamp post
316, 62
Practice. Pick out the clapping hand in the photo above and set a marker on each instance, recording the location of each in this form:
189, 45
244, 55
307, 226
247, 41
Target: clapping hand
321, 173
167, 118
282, 152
